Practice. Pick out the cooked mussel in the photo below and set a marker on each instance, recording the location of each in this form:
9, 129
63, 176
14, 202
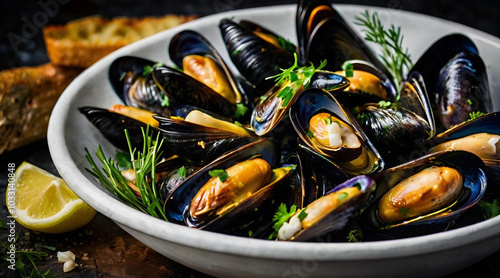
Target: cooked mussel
330, 212
274, 105
197, 57
255, 57
239, 183
199, 136
355, 154
131, 79
427, 193
112, 126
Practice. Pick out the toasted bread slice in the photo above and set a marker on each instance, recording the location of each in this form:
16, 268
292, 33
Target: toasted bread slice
27, 96
82, 42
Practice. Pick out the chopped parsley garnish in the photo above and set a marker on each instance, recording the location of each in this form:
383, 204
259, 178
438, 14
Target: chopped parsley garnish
250, 233
241, 110
342, 196
222, 174
354, 236
281, 216
404, 210
328, 121
123, 160
490, 209
474, 115
348, 68
384, 104
238, 123
182, 171
302, 214
295, 78
122, 76
362, 117
358, 185
396, 59
310, 134
165, 101
469, 101
148, 69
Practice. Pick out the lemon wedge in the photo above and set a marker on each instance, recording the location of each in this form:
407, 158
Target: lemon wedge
43, 202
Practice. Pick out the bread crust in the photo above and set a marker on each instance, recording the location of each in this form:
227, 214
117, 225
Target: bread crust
27, 96
84, 41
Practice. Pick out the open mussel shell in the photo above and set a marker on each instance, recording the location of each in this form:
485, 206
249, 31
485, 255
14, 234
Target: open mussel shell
319, 175
480, 136
112, 126
362, 159
337, 217
198, 143
462, 88
190, 43
177, 204
474, 185
438, 54
254, 57
183, 89
134, 85
268, 113
324, 35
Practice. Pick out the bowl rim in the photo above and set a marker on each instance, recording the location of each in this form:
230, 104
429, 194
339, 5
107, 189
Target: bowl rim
199, 239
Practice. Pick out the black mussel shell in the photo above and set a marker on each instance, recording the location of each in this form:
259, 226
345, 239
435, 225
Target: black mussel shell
254, 57
134, 85
183, 89
179, 201
312, 101
319, 175
196, 143
474, 186
462, 88
339, 217
112, 126
189, 42
437, 55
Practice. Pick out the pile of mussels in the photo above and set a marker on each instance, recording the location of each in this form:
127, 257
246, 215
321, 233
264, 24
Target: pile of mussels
331, 150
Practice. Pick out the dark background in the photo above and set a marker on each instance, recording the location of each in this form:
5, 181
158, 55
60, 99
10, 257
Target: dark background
30, 50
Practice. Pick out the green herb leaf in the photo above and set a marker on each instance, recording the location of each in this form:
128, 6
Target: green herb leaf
469, 101
490, 209
241, 110
404, 210
302, 214
281, 216
310, 134
165, 100
238, 123
123, 160
348, 68
396, 59
474, 115
51, 248
250, 233
328, 121
122, 76
384, 104
354, 236
222, 174
148, 69
182, 172
342, 196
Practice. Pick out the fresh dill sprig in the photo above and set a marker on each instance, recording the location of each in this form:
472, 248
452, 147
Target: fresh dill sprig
294, 79
395, 57
280, 217
354, 236
21, 257
143, 163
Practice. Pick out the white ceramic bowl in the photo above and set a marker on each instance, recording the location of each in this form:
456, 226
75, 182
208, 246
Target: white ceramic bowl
227, 256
